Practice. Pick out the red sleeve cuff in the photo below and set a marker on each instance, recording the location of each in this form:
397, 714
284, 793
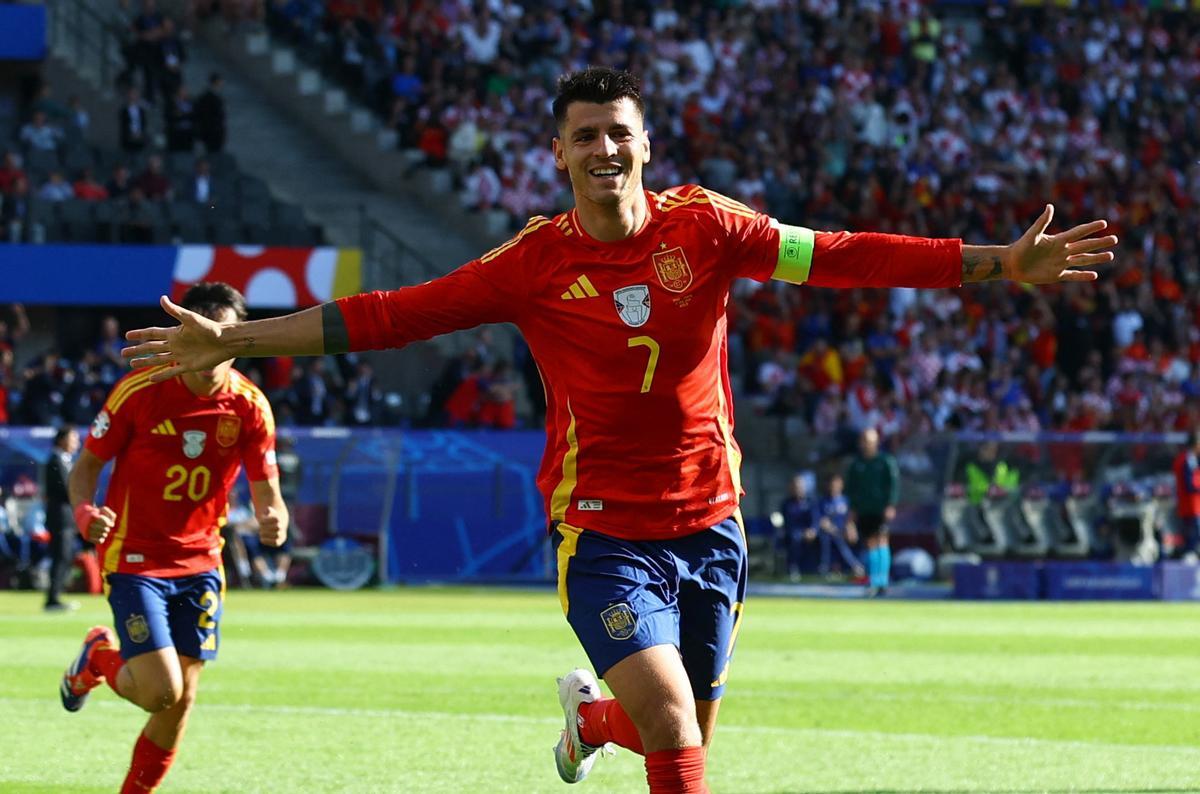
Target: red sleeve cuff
366, 320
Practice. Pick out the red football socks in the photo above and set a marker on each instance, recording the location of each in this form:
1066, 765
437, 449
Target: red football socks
676, 771
605, 721
149, 767
108, 663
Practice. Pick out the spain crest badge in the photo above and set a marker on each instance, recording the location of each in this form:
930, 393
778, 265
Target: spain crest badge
228, 428
672, 269
619, 621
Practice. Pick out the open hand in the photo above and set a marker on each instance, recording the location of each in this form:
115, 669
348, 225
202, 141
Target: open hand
192, 346
1040, 258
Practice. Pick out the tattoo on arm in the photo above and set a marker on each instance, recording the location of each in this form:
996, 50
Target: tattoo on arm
975, 267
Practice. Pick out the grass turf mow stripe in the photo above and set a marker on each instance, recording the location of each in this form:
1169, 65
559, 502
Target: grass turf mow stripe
452, 690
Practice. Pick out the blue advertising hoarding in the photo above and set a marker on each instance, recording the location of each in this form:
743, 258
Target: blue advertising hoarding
22, 32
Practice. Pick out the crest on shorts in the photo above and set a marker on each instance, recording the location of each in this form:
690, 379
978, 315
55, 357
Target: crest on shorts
193, 443
633, 304
673, 269
137, 629
228, 427
619, 621
101, 424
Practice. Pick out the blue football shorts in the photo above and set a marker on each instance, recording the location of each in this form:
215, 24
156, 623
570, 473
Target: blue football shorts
623, 596
153, 613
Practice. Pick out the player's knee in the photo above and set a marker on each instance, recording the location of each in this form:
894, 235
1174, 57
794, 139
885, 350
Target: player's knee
669, 726
162, 695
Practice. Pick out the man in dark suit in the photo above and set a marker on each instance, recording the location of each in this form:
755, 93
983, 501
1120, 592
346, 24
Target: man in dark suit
60, 521
133, 122
209, 115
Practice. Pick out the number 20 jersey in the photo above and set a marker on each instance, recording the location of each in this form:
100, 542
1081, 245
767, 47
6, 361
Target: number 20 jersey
177, 456
630, 339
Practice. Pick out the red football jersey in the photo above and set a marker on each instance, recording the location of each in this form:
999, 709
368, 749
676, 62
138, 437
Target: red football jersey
177, 456
630, 338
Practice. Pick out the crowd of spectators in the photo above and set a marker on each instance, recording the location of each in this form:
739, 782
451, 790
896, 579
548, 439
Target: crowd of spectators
477, 389
51, 159
893, 115
888, 116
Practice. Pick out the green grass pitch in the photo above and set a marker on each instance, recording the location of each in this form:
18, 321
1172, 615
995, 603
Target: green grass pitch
452, 690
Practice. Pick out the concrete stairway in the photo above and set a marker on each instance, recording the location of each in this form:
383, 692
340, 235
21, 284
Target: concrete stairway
354, 136
302, 167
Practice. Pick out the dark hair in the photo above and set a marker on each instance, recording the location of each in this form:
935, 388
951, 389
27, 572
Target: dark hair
61, 434
210, 297
599, 85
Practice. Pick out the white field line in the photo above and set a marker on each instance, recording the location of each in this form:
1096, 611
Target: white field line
1128, 705
831, 733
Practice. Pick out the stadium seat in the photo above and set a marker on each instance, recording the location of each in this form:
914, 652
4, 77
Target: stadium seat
255, 213
189, 232
955, 534
1033, 534
1131, 516
222, 163
1000, 511
1061, 534
251, 190
1082, 511
78, 157
56, 231
79, 219
288, 215
184, 212
225, 232
39, 163
104, 215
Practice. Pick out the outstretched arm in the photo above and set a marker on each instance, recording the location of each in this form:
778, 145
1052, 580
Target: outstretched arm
199, 343
476, 293
869, 259
1040, 258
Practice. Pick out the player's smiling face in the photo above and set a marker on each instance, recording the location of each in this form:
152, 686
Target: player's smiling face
603, 149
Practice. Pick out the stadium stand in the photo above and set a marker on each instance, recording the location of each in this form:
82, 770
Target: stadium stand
172, 180
927, 119
942, 119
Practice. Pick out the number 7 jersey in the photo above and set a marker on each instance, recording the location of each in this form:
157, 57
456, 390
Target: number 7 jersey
176, 456
630, 339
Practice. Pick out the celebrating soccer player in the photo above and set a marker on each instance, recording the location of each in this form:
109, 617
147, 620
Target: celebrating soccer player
622, 301
178, 444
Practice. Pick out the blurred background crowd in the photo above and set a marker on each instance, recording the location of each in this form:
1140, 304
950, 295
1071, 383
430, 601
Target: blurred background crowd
885, 116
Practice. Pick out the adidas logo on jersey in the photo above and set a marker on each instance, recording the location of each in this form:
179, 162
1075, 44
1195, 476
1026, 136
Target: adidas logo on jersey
164, 428
582, 288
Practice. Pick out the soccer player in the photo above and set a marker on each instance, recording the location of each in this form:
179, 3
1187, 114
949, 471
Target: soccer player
178, 444
873, 488
622, 302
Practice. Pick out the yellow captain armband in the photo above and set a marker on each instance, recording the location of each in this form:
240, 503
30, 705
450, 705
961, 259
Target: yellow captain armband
795, 254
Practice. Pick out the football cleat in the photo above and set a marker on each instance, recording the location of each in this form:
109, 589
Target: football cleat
573, 758
78, 680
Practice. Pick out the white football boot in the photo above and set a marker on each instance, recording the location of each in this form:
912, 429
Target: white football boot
573, 758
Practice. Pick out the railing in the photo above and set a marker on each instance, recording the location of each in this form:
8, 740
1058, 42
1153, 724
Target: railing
388, 261
79, 33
